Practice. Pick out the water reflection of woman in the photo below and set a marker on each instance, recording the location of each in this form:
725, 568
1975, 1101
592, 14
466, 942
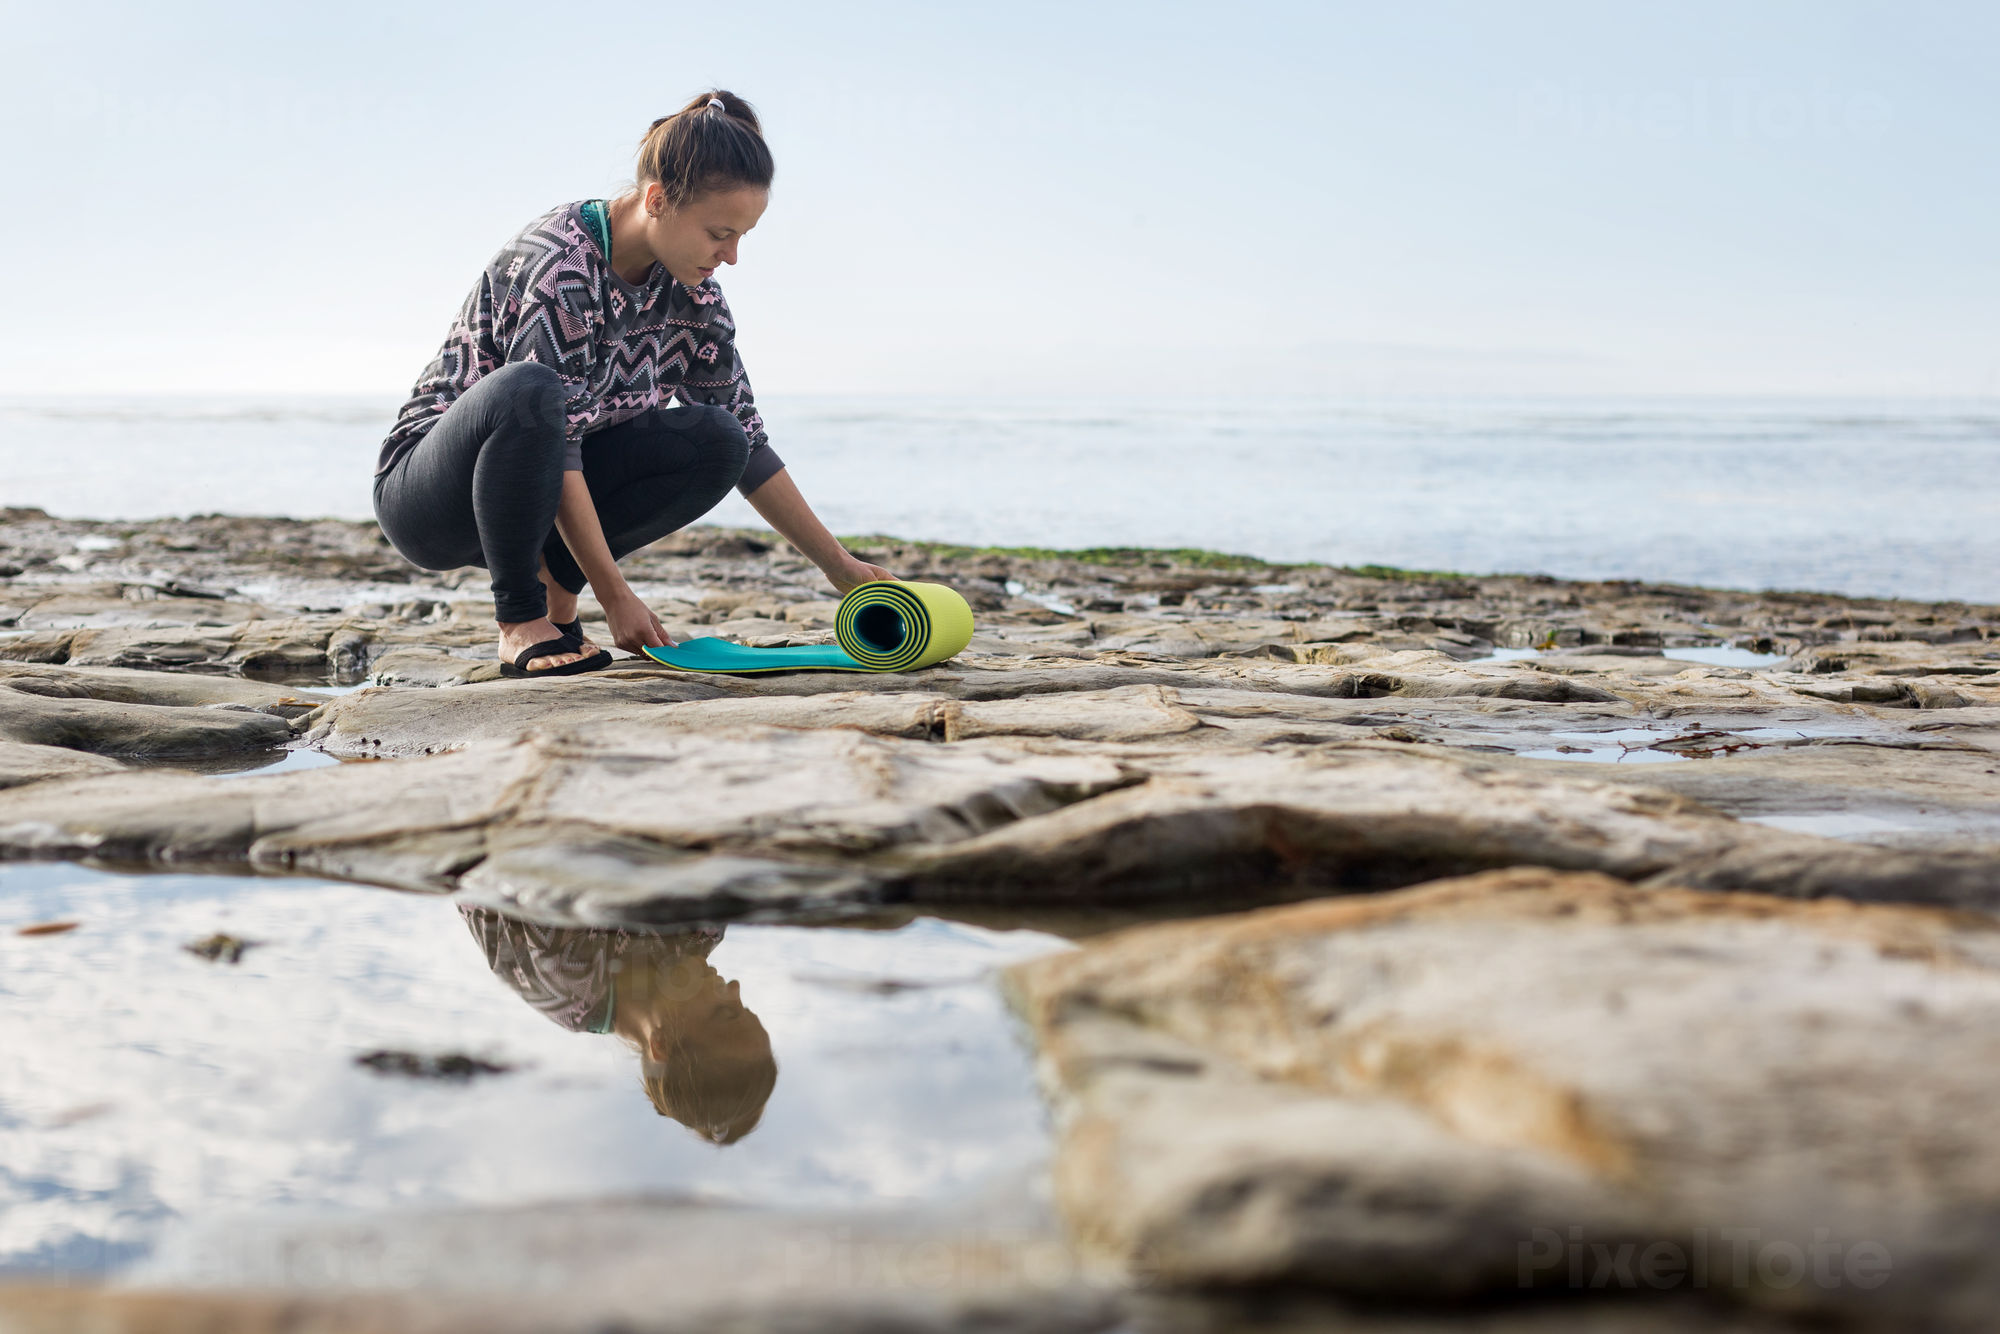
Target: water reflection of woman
705, 1060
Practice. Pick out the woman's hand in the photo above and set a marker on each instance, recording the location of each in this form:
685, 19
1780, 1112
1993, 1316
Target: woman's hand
633, 626
853, 572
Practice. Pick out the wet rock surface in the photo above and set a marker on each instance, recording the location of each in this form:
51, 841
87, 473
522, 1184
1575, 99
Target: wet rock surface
1248, 732
999, 1264
1171, 734
1445, 1089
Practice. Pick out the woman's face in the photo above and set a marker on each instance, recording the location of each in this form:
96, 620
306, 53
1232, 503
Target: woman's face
693, 241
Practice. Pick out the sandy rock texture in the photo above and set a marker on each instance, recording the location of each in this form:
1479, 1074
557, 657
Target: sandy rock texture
771, 806
1464, 1088
1129, 727
996, 1264
1713, 948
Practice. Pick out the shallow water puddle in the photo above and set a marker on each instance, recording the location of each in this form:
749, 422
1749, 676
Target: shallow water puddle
1717, 656
289, 761
347, 690
1015, 588
1834, 727
1624, 745
253, 764
1602, 754
1889, 825
312, 685
1725, 656
1849, 826
150, 1084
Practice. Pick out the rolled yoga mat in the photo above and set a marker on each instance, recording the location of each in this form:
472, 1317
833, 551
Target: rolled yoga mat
887, 625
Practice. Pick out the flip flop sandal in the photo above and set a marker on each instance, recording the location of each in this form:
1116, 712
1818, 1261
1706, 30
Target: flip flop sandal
574, 629
549, 648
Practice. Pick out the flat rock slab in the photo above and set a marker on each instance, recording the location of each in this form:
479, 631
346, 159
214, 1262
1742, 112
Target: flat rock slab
988, 1264
1368, 1100
1919, 795
49, 1310
1247, 779
1439, 1091
390, 723
649, 820
24, 764
996, 1264
326, 647
108, 727
334, 597
1152, 1311
151, 687
129, 606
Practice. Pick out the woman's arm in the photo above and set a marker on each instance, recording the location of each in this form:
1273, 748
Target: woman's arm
632, 623
779, 501
724, 384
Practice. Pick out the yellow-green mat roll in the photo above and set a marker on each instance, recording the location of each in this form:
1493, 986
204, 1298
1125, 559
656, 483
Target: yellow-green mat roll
887, 625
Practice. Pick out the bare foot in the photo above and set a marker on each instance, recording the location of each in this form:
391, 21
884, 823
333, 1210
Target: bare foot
516, 636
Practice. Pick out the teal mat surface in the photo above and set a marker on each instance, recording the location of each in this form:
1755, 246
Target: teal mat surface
709, 654
887, 625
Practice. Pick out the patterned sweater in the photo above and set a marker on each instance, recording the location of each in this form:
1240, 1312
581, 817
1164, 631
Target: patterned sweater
571, 974
551, 296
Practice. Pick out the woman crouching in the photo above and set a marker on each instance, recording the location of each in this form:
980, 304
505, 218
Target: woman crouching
540, 444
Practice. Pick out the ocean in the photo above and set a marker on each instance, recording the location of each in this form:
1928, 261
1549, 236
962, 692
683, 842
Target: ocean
1863, 497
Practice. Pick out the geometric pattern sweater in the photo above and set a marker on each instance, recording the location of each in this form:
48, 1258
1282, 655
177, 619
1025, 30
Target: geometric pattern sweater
570, 974
621, 349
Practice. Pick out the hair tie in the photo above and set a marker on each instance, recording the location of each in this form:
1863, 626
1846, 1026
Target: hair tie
715, 104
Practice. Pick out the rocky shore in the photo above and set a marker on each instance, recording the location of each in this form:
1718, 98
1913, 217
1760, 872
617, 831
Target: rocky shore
1458, 952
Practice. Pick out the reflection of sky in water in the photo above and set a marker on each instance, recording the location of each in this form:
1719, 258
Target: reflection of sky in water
1714, 656
290, 761
146, 1085
1724, 656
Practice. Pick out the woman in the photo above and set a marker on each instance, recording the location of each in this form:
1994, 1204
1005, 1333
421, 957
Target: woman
539, 443
704, 1057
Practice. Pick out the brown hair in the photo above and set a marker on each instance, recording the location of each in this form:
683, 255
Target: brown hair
701, 148
720, 1097
704, 1057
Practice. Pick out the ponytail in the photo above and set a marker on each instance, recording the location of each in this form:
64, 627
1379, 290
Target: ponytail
712, 143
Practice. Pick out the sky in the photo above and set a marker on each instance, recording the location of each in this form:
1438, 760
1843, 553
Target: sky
1059, 199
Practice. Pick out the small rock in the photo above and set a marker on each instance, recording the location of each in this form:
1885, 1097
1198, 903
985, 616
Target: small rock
221, 947
173, 586
452, 1066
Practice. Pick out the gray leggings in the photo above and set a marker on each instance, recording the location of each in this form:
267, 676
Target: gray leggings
481, 487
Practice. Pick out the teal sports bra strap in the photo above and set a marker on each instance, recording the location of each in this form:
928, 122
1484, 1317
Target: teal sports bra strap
600, 224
